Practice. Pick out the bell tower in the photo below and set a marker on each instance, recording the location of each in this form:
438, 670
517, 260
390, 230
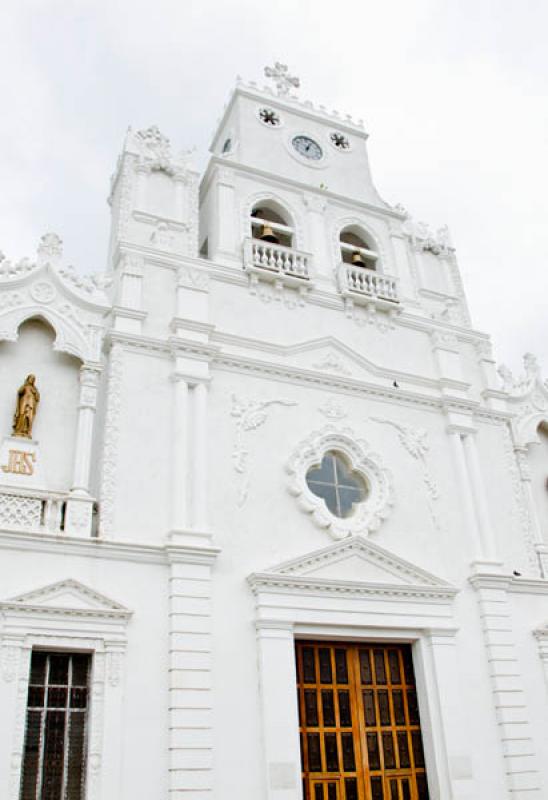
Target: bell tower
269, 139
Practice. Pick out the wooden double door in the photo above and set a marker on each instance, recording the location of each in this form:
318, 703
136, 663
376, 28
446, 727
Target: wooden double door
359, 722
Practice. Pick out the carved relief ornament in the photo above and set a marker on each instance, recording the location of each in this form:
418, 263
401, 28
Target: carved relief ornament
369, 514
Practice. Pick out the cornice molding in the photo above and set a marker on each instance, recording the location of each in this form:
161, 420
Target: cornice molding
271, 178
107, 548
290, 584
509, 583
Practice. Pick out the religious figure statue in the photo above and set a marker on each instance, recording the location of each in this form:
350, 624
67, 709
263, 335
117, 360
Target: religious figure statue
28, 398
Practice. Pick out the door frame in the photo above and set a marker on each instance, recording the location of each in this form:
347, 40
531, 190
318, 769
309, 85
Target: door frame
292, 609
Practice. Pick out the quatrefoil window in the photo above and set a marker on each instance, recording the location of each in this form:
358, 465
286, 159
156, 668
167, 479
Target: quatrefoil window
269, 117
340, 487
339, 141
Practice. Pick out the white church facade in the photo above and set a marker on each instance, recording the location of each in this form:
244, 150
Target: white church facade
273, 526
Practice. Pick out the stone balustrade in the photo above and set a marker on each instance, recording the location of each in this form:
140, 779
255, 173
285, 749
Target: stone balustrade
276, 262
360, 283
33, 511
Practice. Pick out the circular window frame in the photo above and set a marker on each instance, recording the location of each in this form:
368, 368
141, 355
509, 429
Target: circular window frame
368, 514
320, 163
268, 125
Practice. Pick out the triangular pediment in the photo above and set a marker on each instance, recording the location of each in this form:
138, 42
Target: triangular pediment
329, 355
357, 560
67, 595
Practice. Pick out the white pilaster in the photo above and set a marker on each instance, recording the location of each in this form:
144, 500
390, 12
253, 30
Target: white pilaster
465, 489
514, 727
190, 734
180, 453
457, 780
14, 675
128, 309
317, 238
222, 243
486, 532
89, 376
280, 713
538, 539
79, 510
199, 460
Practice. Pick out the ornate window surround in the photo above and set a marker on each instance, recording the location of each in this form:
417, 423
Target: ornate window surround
368, 514
93, 624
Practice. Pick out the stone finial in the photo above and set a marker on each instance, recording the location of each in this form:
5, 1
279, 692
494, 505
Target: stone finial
531, 365
154, 146
50, 249
521, 386
281, 77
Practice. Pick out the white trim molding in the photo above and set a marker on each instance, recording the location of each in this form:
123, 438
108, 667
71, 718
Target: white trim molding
68, 616
369, 514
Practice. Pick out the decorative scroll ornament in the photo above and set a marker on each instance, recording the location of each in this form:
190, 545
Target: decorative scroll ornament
283, 81
332, 362
415, 441
527, 398
519, 387
368, 514
42, 292
423, 238
249, 415
332, 410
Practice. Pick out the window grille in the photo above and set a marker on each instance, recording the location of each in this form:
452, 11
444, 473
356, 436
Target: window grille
54, 758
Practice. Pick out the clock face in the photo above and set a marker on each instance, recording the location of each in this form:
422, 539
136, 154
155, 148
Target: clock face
307, 147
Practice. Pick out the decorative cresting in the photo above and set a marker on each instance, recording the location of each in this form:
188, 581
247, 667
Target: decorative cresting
74, 305
528, 396
367, 515
155, 153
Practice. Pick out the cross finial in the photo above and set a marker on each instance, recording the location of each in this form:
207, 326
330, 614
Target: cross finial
281, 77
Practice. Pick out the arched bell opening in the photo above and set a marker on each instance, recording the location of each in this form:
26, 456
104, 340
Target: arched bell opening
270, 224
357, 250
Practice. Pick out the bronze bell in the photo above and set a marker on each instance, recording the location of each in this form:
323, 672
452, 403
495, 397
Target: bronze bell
357, 259
268, 235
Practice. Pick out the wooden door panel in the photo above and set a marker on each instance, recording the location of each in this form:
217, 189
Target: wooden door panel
359, 723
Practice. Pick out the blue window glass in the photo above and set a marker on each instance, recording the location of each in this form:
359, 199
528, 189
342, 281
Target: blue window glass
337, 484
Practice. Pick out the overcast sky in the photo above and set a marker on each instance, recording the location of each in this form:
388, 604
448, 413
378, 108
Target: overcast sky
454, 96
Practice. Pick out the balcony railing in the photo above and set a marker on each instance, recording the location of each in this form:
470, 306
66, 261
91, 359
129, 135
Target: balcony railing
38, 511
360, 284
274, 262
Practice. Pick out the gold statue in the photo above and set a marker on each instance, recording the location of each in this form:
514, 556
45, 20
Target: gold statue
28, 398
